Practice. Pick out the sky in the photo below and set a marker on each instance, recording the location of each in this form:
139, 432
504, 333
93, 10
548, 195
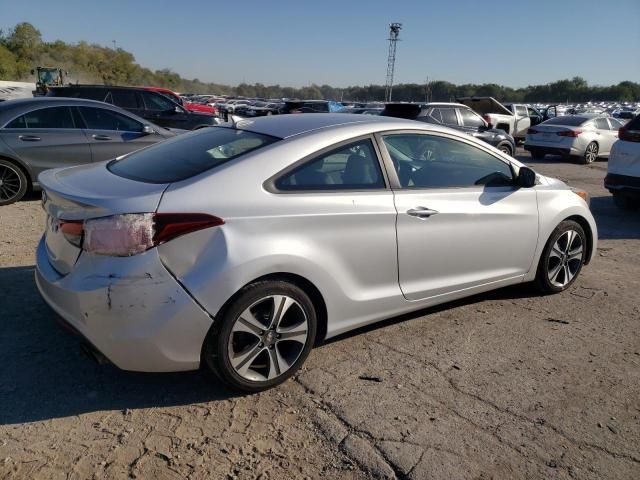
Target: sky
342, 43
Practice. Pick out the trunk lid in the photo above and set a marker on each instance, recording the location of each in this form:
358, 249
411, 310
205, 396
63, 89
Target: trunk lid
88, 191
549, 133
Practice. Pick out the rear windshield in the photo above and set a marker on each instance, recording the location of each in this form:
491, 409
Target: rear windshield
568, 120
188, 155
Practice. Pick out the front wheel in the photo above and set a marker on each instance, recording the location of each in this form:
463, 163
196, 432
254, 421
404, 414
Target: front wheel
562, 257
263, 337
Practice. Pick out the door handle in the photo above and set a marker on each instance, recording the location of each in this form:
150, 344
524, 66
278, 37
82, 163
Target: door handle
101, 137
29, 138
421, 212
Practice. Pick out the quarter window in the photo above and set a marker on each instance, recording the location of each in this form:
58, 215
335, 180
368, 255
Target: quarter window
103, 119
350, 167
54, 117
426, 161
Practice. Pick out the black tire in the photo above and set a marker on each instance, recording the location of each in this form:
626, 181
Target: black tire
506, 148
590, 154
215, 352
547, 264
13, 182
624, 201
537, 155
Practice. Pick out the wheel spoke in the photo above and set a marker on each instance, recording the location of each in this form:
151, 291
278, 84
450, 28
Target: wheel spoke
567, 274
553, 274
274, 364
556, 251
281, 305
297, 333
570, 236
248, 323
575, 254
243, 361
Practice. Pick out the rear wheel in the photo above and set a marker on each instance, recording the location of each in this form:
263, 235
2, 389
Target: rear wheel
506, 148
562, 257
590, 154
13, 183
263, 337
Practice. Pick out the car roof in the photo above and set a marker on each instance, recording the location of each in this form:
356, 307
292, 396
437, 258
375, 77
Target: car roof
289, 125
12, 108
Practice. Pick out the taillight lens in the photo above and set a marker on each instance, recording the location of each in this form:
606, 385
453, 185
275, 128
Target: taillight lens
72, 231
531, 131
131, 234
569, 133
629, 135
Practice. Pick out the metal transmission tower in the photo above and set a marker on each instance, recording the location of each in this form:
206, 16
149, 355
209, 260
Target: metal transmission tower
394, 33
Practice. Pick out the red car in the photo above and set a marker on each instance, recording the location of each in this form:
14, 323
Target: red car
194, 107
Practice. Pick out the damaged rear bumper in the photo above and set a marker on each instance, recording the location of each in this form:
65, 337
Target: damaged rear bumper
129, 308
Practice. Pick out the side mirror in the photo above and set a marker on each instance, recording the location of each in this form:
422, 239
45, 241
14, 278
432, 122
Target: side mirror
147, 130
526, 178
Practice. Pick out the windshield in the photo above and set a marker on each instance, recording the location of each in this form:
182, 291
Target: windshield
188, 155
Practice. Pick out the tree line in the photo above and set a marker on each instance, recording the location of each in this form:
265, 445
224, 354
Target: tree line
22, 49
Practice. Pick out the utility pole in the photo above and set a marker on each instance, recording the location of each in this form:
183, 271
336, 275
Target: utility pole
394, 33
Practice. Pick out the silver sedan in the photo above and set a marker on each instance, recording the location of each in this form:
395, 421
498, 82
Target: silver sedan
241, 246
43, 132
586, 137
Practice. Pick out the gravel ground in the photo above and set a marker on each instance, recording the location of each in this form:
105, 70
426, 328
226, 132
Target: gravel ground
502, 385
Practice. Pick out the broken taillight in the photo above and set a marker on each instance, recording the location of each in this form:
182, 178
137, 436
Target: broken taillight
131, 234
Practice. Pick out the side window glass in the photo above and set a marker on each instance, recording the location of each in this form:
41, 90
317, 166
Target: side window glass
17, 123
470, 119
601, 124
436, 115
124, 99
426, 161
350, 167
521, 111
157, 102
56, 117
103, 119
449, 116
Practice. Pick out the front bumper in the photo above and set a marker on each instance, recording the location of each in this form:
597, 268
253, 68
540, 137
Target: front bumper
129, 308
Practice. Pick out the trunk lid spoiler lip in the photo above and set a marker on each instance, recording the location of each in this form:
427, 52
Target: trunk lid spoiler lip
90, 191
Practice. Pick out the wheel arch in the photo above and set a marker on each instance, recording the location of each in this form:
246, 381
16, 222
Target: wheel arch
587, 229
301, 282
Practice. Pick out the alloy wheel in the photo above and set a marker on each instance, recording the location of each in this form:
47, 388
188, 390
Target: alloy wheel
591, 153
267, 338
10, 183
565, 258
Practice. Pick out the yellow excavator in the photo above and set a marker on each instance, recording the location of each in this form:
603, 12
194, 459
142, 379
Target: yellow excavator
47, 77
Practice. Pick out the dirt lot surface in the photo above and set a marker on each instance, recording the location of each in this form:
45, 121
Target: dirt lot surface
503, 385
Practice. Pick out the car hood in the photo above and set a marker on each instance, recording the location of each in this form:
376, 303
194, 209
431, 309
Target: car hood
484, 105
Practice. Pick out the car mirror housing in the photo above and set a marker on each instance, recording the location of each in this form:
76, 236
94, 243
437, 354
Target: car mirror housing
526, 177
148, 130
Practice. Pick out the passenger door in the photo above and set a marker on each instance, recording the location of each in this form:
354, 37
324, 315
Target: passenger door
522, 121
606, 136
111, 134
47, 138
462, 222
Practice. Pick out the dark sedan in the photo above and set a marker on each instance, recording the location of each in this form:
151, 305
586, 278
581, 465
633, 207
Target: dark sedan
41, 133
